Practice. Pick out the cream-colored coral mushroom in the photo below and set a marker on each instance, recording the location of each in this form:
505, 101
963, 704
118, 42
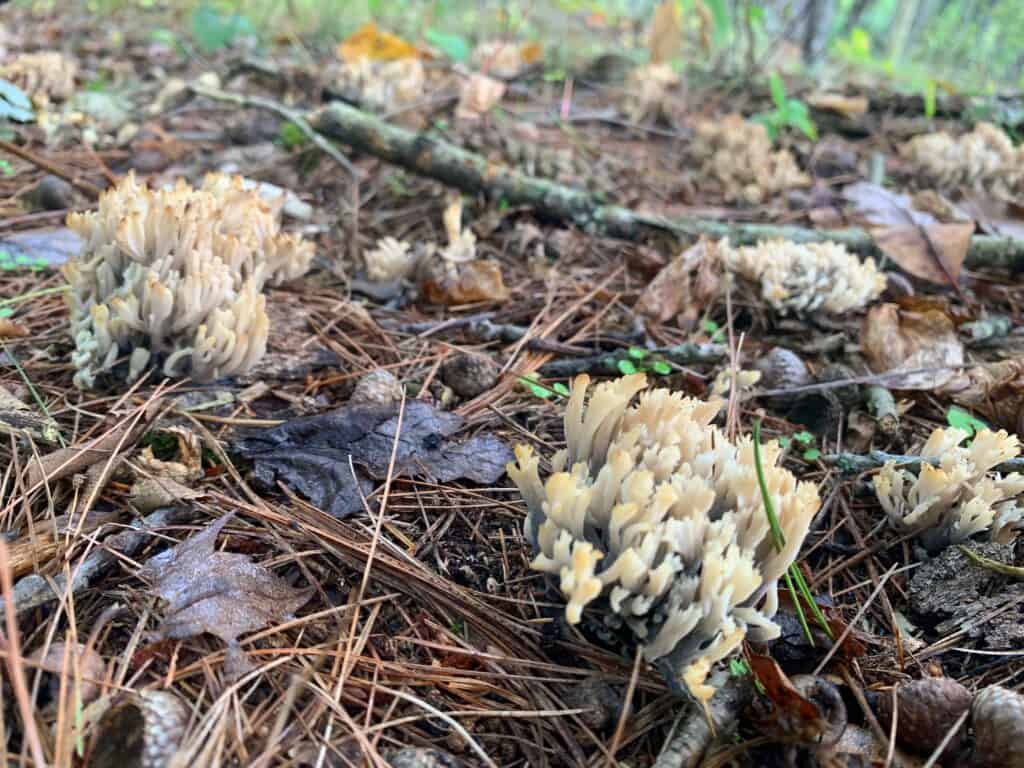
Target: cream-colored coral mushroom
44, 77
390, 260
806, 277
174, 276
738, 155
960, 494
653, 516
382, 85
983, 159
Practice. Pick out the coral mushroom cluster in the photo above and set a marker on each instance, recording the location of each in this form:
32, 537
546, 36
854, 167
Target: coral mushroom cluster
174, 276
379, 85
654, 516
739, 156
44, 77
983, 159
806, 277
960, 495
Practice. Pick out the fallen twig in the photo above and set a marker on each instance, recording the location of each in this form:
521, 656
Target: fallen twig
608, 363
855, 463
291, 115
35, 590
84, 186
472, 173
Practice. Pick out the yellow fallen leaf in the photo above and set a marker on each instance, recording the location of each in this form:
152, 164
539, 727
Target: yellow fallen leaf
847, 106
369, 42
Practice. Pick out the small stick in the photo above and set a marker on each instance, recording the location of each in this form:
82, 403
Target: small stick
13, 149
291, 115
855, 463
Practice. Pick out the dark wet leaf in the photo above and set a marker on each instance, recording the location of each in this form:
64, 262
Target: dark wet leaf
48, 247
922, 342
333, 459
223, 593
916, 240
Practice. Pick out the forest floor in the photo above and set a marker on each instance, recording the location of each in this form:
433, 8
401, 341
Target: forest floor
402, 613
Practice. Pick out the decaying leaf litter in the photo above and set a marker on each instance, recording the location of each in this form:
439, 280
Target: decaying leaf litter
281, 533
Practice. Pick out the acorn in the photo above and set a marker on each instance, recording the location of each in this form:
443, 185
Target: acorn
998, 718
141, 729
927, 710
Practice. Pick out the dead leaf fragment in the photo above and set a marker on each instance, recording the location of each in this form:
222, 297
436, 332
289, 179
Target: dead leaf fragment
73, 661
452, 284
477, 95
505, 59
995, 390
918, 242
847, 106
187, 464
151, 493
12, 330
681, 289
222, 593
317, 454
895, 339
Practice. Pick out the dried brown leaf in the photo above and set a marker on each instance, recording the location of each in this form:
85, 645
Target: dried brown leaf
682, 288
916, 240
12, 330
995, 390
847, 106
74, 661
896, 339
467, 283
222, 593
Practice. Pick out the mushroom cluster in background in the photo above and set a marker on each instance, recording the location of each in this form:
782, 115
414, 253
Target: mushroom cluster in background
983, 159
655, 518
807, 277
173, 276
44, 77
961, 494
738, 155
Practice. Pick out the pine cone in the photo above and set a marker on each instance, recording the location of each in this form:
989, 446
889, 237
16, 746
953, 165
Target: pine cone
998, 717
928, 708
141, 729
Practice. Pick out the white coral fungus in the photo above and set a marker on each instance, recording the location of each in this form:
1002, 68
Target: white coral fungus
983, 159
175, 275
738, 155
806, 277
45, 76
653, 515
960, 495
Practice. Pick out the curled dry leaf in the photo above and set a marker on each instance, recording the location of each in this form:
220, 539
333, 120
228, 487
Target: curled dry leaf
333, 459
187, 464
151, 493
847, 106
916, 240
223, 593
477, 95
683, 288
12, 330
995, 390
896, 339
805, 710
73, 662
453, 284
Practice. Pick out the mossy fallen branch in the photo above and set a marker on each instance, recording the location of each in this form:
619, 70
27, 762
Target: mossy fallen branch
474, 174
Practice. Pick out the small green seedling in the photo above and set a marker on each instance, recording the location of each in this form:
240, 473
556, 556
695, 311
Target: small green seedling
788, 113
291, 136
713, 329
806, 439
961, 419
530, 381
639, 360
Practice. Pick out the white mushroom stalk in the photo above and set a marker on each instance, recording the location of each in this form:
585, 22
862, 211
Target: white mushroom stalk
174, 276
654, 518
959, 496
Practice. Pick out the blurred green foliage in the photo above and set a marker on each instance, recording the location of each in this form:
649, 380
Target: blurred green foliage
921, 46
